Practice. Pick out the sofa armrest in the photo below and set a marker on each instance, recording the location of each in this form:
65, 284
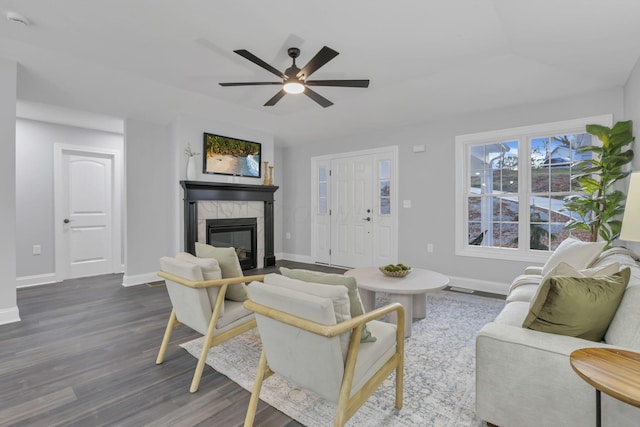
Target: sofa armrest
524, 378
533, 269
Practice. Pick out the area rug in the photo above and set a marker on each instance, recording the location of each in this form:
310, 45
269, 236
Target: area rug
439, 383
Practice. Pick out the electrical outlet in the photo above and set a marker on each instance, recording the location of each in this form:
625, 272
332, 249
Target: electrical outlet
287, 236
430, 247
37, 249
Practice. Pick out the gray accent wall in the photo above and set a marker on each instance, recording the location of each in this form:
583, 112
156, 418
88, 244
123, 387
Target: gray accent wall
8, 89
428, 180
35, 189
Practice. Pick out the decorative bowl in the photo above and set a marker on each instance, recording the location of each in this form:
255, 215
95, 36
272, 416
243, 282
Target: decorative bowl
400, 273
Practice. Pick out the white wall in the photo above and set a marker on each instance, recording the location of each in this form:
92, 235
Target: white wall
151, 167
632, 112
427, 179
35, 193
8, 89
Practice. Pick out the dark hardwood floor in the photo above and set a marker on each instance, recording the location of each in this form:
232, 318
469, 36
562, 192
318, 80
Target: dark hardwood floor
84, 355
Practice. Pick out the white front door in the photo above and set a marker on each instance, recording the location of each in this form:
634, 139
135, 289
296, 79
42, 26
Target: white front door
354, 208
351, 211
85, 205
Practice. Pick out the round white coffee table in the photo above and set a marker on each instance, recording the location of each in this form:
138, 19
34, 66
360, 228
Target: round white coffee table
410, 291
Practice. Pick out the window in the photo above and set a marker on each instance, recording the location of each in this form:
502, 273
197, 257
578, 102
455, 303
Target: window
511, 186
323, 193
384, 185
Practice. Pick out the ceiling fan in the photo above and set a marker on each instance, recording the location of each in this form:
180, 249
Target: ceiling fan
294, 79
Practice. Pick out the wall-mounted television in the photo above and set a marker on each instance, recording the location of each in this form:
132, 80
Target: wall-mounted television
230, 156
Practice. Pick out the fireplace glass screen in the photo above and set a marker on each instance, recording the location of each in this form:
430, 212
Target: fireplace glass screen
238, 233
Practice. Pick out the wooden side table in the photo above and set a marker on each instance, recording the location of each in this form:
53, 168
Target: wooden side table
611, 371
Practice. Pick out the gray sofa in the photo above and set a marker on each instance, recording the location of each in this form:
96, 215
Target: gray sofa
523, 377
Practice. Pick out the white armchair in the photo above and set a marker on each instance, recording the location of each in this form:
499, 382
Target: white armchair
200, 304
309, 338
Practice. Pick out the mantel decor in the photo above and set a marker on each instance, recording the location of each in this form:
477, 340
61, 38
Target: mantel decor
195, 191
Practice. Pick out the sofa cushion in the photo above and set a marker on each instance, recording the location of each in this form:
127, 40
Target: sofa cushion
624, 329
230, 266
574, 252
580, 307
334, 279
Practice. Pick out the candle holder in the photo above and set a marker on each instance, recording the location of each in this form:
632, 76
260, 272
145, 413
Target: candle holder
270, 175
266, 173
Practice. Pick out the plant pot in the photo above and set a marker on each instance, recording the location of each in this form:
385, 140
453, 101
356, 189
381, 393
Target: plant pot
191, 169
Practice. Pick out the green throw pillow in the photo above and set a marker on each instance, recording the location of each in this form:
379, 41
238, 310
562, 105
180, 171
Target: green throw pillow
334, 279
230, 266
579, 307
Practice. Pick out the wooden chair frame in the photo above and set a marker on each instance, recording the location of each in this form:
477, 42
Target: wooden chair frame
210, 339
347, 406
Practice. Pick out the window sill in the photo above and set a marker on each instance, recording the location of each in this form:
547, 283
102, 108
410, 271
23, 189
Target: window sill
504, 254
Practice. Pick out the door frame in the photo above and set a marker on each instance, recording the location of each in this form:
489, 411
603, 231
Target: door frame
62, 260
395, 200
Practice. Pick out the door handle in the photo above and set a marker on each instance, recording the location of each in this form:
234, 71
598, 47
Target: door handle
66, 221
367, 218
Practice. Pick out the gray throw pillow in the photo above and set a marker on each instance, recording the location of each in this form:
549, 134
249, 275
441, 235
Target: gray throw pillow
230, 266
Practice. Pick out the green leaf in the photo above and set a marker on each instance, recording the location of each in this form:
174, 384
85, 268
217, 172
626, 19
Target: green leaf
602, 132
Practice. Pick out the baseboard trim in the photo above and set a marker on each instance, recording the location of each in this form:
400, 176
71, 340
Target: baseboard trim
9, 315
293, 257
139, 279
479, 285
36, 280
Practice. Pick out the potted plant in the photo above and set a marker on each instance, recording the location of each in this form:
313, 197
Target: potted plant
600, 205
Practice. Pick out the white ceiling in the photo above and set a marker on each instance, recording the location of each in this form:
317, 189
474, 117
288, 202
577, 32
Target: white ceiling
156, 59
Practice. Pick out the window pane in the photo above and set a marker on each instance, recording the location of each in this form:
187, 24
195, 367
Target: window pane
385, 169
476, 180
322, 189
508, 210
322, 205
505, 235
385, 188
385, 206
476, 236
322, 174
474, 209
539, 236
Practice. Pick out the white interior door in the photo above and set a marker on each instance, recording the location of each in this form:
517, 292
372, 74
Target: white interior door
351, 211
85, 208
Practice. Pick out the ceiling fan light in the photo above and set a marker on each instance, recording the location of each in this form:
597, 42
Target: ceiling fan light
293, 87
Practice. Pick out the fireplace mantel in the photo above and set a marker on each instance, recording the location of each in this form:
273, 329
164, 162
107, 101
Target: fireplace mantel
195, 191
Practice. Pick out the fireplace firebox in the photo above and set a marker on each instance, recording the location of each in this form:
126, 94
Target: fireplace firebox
238, 233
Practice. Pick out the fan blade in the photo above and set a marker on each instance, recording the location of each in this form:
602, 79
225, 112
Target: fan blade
277, 97
341, 83
251, 57
325, 55
250, 84
317, 97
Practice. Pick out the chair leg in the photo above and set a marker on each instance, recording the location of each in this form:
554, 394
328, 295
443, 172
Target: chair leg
255, 394
206, 346
167, 336
399, 383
